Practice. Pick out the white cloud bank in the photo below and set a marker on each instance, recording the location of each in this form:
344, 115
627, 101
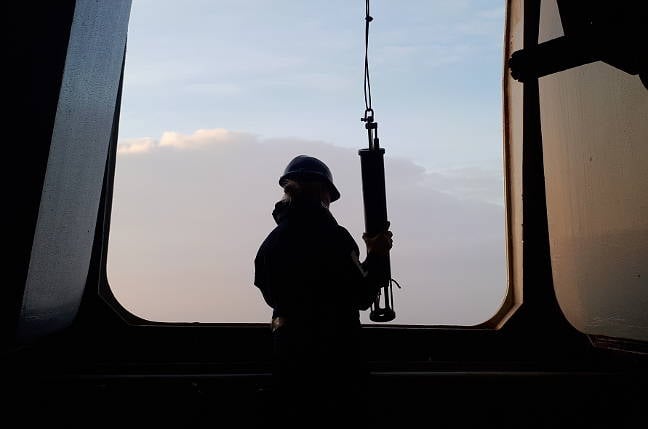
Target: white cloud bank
190, 211
171, 139
135, 146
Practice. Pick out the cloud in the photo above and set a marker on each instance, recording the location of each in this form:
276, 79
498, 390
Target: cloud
136, 146
170, 139
188, 217
472, 183
203, 138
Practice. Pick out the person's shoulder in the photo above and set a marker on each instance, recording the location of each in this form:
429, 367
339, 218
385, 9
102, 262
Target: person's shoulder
270, 238
346, 237
276, 238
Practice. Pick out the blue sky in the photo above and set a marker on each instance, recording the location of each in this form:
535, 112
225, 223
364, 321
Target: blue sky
294, 69
220, 95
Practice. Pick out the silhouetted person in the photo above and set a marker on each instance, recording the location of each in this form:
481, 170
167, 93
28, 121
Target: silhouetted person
309, 272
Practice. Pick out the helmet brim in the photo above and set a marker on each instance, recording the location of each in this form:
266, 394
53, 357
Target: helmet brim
310, 176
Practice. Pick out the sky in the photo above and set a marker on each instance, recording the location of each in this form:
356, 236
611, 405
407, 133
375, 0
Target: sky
220, 95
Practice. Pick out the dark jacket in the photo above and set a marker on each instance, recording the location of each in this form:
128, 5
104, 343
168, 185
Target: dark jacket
309, 272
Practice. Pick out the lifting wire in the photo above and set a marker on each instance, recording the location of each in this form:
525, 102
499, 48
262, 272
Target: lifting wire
367, 81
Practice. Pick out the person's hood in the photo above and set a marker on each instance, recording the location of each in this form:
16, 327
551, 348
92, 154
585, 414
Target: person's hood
284, 210
280, 211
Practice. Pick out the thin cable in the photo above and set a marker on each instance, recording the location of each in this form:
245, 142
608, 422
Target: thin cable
367, 83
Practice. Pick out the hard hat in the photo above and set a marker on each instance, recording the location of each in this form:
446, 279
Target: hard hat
304, 167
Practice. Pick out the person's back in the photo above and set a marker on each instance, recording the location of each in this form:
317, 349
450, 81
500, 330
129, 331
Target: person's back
309, 273
310, 259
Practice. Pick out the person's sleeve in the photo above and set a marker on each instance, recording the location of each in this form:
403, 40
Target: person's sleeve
262, 279
361, 276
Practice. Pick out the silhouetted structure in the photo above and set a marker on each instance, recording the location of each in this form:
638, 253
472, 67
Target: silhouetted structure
73, 357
